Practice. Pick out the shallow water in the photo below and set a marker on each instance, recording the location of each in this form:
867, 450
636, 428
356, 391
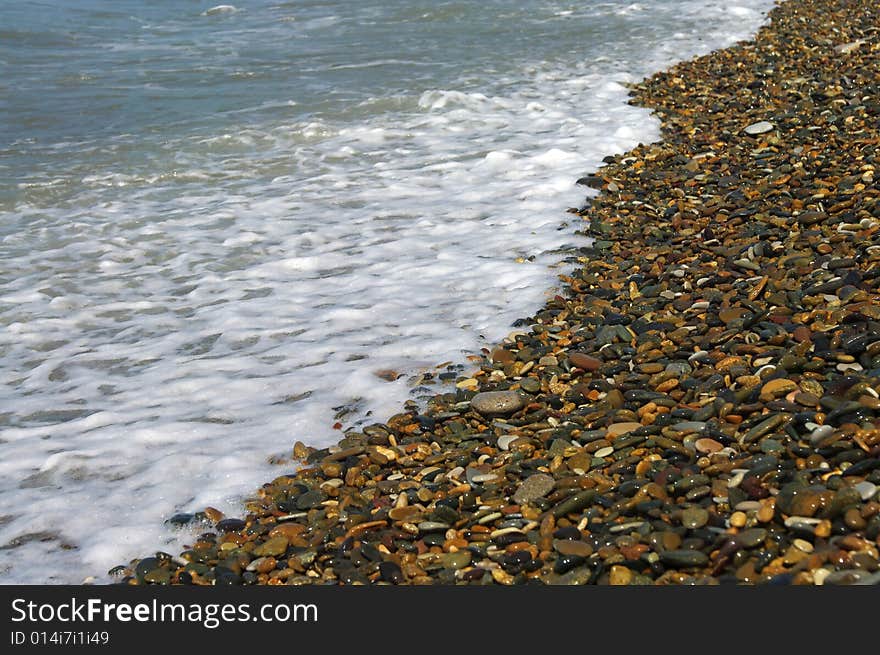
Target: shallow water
218, 225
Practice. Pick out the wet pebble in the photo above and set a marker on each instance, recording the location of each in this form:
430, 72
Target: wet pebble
497, 403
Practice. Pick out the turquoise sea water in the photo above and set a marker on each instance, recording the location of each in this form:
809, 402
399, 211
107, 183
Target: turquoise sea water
219, 223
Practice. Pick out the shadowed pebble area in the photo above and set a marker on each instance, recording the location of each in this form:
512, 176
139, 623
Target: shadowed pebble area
698, 406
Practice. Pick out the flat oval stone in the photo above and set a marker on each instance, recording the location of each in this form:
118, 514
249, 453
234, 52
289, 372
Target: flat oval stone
310, 499
534, 487
707, 446
761, 127
497, 403
581, 360
575, 503
751, 537
231, 525
820, 433
287, 530
456, 560
617, 429
764, 427
684, 558
406, 513
778, 387
694, 517
572, 547
274, 547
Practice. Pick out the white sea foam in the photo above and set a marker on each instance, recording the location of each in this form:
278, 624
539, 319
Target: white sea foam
168, 328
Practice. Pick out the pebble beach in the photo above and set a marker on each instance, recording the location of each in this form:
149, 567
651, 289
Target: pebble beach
698, 405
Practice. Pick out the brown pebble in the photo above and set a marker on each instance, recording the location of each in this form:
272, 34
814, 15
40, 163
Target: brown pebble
581, 360
738, 519
503, 356
620, 575
776, 388
707, 445
766, 512
572, 547
823, 529
802, 333
288, 529
214, 515
618, 429
853, 519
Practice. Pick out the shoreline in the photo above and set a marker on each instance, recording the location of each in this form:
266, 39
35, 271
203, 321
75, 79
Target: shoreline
700, 404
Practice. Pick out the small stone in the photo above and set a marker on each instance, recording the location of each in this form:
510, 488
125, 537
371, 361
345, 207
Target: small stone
761, 127
620, 575
585, 362
765, 513
534, 487
231, 525
821, 433
457, 560
730, 315
497, 403
811, 217
530, 385
683, 558
288, 530
806, 399
866, 489
310, 499
738, 519
572, 547
381, 454
391, 572
275, 547
213, 514
751, 538
707, 446
776, 388
694, 517
158, 576
502, 577
617, 429
502, 356
853, 519
823, 529
408, 513
847, 48
575, 503
505, 440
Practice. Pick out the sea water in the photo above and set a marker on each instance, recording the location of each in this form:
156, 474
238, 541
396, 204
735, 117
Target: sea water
224, 229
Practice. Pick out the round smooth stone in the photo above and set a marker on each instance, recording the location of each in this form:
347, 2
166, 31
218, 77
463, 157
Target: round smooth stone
497, 403
694, 517
866, 489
